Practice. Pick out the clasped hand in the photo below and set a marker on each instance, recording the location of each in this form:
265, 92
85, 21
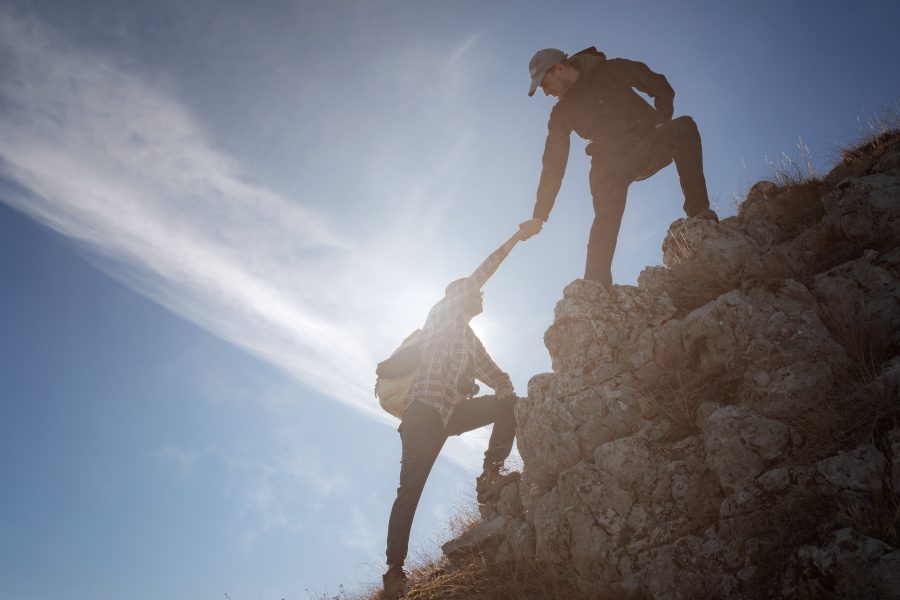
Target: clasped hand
529, 228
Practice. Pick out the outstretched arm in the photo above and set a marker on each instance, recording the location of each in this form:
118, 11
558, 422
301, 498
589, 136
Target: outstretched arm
556, 155
487, 268
459, 292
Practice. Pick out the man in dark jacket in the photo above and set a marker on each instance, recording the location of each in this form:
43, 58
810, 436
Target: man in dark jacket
628, 141
441, 404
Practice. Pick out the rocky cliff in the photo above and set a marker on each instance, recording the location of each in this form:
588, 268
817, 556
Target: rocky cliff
730, 427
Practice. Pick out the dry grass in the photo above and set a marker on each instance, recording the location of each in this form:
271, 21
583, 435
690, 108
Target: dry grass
881, 130
481, 579
877, 516
840, 250
434, 578
779, 527
690, 283
793, 205
691, 286
800, 185
803, 209
790, 171
466, 518
484, 580
862, 404
861, 408
679, 394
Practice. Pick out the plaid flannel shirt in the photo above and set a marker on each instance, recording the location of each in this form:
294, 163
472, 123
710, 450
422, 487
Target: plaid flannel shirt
451, 346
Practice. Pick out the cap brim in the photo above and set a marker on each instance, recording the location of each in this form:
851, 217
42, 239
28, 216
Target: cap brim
536, 82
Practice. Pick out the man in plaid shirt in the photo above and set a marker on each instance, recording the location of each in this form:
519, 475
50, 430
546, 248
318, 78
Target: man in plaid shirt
441, 403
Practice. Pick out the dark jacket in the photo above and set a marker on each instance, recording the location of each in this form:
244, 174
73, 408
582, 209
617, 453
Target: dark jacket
603, 108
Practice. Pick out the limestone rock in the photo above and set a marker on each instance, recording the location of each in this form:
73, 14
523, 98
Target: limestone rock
860, 297
856, 565
857, 471
720, 248
893, 439
713, 431
740, 442
866, 210
485, 538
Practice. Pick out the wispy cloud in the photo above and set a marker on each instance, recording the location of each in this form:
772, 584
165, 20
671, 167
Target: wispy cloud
182, 458
361, 534
118, 166
282, 495
115, 163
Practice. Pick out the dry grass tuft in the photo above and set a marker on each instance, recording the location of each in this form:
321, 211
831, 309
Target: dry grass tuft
862, 405
779, 527
690, 283
481, 579
435, 578
877, 516
790, 171
466, 518
802, 208
857, 158
882, 130
680, 393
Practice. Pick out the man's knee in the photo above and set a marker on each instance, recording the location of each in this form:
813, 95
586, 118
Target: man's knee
503, 408
685, 123
685, 128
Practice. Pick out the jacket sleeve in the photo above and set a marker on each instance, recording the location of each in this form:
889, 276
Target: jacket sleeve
556, 155
449, 308
486, 370
639, 75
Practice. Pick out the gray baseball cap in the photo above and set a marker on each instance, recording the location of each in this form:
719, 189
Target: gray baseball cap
541, 63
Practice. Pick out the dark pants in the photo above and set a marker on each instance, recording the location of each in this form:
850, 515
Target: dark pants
423, 435
611, 174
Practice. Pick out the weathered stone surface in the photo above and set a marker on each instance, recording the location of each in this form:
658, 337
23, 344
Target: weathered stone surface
858, 566
889, 164
770, 336
893, 439
739, 443
857, 471
673, 449
866, 210
715, 247
510, 501
593, 326
860, 297
485, 538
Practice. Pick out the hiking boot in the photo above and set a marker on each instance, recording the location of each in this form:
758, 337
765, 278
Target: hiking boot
394, 583
707, 215
491, 481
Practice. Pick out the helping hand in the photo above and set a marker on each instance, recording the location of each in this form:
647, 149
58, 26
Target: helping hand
529, 228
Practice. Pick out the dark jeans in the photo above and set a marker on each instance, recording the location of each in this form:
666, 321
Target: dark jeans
423, 435
611, 174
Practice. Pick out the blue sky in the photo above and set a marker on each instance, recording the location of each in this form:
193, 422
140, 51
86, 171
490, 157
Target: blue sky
217, 217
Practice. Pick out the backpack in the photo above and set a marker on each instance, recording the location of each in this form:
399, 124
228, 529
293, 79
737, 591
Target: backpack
394, 375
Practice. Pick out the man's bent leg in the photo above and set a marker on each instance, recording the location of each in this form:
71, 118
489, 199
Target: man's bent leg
422, 435
681, 140
609, 205
481, 411
484, 410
